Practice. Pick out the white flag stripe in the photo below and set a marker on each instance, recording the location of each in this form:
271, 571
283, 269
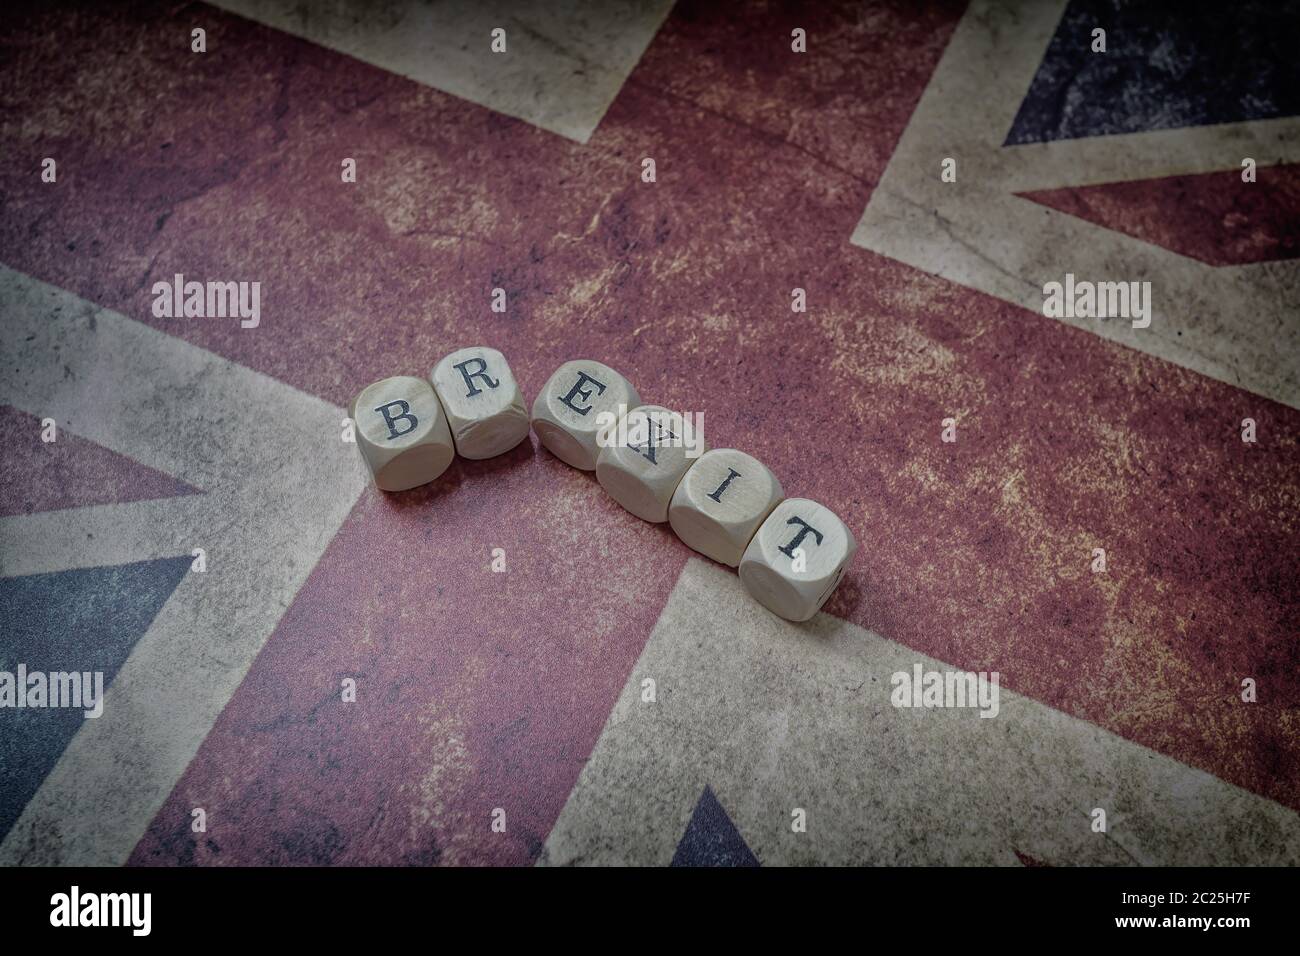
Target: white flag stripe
563, 64
1123, 157
975, 232
278, 483
774, 716
91, 537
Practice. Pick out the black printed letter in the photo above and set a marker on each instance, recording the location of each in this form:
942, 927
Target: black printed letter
583, 379
391, 420
717, 492
804, 531
480, 372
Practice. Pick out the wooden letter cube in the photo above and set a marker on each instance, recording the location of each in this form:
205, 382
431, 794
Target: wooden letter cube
580, 400
796, 559
482, 401
721, 501
642, 473
402, 432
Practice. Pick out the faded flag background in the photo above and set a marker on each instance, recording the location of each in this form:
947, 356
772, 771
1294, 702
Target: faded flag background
521, 696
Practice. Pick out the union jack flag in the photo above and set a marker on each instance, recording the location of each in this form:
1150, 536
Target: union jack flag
199, 532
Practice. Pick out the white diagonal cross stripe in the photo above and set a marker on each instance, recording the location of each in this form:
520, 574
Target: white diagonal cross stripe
774, 716
564, 62
1232, 323
251, 445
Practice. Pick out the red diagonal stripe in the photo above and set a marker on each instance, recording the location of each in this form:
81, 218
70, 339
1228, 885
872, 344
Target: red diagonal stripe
1217, 218
70, 472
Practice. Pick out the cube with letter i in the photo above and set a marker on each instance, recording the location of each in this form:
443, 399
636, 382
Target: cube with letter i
721, 501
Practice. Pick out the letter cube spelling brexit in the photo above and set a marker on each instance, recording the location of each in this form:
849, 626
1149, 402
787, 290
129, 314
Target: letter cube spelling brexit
725, 504
796, 558
482, 400
402, 432
642, 472
580, 399
720, 503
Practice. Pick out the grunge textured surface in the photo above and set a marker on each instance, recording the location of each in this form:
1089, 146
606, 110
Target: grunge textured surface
521, 691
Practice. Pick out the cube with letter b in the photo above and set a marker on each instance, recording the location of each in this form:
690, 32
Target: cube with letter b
401, 432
